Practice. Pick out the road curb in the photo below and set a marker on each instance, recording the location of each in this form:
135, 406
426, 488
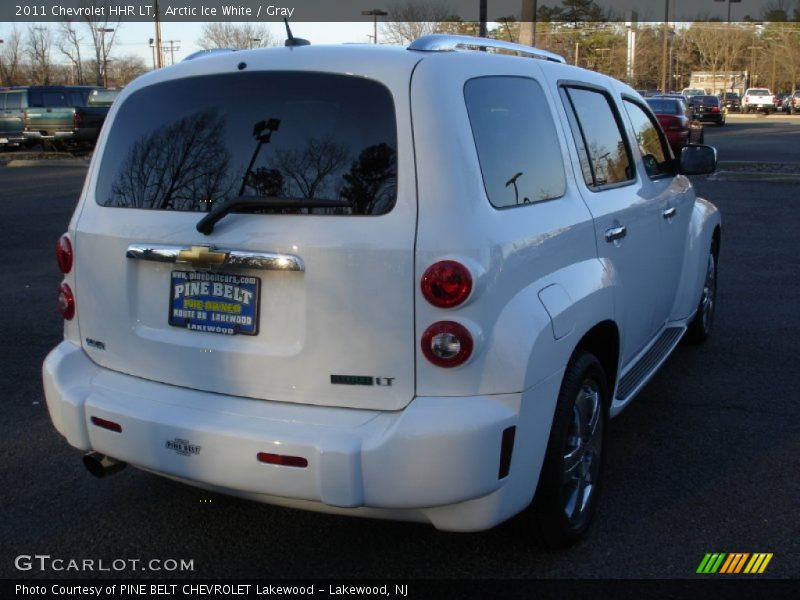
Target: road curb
54, 162
754, 176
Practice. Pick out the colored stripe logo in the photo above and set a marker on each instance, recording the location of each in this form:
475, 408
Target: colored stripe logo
734, 563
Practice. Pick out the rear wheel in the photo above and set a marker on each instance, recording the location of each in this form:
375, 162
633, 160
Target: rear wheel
569, 485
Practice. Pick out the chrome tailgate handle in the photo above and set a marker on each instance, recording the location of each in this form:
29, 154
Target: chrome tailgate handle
209, 256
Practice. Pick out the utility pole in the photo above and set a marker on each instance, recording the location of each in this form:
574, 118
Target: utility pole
159, 54
527, 27
374, 13
482, 17
665, 48
172, 46
103, 31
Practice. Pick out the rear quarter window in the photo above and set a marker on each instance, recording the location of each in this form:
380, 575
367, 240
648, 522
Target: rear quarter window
187, 144
516, 140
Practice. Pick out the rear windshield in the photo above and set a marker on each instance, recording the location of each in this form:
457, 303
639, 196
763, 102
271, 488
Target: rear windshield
758, 93
665, 107
705, 101
102, 97
188, 144
56, 98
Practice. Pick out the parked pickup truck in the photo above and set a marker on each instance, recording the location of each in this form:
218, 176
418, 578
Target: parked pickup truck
758, 100
11, 119
52, 114
88, 120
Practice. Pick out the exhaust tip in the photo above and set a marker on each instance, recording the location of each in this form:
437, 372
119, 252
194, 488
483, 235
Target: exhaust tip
101, 465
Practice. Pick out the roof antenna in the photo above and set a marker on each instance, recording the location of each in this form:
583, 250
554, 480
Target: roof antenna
292, 41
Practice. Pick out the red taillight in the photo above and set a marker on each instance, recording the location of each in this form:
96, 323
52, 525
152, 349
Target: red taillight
105, 424
715, 109
66, 302
282, 460
447, 344
446, 283
64, 254
76, 120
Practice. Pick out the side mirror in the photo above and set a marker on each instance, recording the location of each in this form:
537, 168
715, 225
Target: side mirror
698, 160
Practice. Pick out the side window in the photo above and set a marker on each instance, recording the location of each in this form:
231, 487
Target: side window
518, 148
604, 156
35, 99
3, 101
651, 145
13, 101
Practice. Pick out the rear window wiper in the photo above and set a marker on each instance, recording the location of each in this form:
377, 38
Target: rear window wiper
206, 224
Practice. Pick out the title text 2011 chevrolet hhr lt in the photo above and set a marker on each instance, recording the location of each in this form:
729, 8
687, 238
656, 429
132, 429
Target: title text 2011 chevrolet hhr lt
410, 283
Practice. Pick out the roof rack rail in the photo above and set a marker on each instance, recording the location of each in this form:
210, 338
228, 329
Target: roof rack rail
451, 43
209, 52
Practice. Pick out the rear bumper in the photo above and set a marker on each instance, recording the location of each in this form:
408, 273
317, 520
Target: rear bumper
437, 452
34, 136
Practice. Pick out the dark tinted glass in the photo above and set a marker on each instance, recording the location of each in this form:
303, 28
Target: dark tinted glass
55, 99
13, 101
517, 144
705, 101
77, 99
601, 145
191, 143
35, 98
664, 106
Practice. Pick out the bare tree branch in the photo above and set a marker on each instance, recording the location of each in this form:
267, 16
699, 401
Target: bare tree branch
232, 35
412, 20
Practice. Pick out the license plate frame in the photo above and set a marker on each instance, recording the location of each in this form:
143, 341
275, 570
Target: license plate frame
209, 302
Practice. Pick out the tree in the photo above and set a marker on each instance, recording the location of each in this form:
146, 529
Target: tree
69, 45
125, 69
412, 20
103, 34
720, 47
233, 35
37, 47
10, 58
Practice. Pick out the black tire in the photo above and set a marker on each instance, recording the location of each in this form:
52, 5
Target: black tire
700, 327
571, 478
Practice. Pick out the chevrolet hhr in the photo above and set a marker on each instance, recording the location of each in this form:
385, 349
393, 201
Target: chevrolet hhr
410, 283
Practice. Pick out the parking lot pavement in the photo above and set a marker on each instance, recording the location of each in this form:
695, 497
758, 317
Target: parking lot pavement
705, 460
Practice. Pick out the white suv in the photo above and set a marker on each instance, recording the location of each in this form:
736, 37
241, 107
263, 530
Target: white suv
410, 283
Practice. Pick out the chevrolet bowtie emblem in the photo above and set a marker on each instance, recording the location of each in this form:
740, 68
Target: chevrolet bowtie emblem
202, 256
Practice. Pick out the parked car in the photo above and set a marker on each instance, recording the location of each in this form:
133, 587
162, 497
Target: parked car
732, 101
57, 114
758, 100
688, 92
11, 129
708, 109
89, 119
791, 104
426, 319
676, 121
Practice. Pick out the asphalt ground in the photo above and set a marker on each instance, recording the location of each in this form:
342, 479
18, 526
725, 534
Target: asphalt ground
705, 460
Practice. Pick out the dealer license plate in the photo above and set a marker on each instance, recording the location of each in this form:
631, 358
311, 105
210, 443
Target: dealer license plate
214, 302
